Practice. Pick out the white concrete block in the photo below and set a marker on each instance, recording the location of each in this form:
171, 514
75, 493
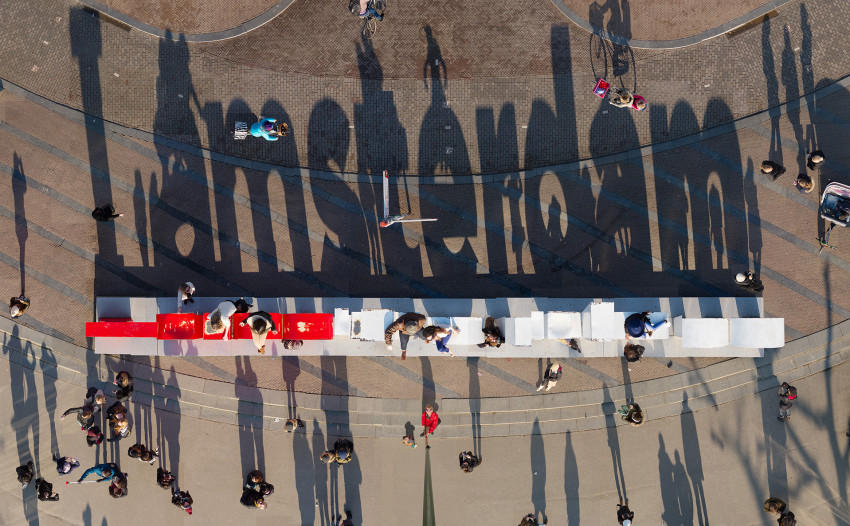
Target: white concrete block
369, 325
342, 323
563, 325
537, 326
765, 333
517, 331
702, 333
470, 331
600, 322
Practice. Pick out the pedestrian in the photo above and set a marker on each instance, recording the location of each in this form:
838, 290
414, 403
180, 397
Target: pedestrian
804, 184
749, 280
253, 480
786, 519
815, 159
118, 423
292, 345
182, 500
633, 352
625, 516
118, 488
292, 424
94, 397
342, 453
125, 386
440, 335
620, 97
143, 453
787, 394
253, 499
366, 10
219, 319
407, 325
105, 471
85, 415
468, 461
772, 169
639, 326
164, 479
430, 420
94, 436
493, 336
551, 376
632, 414
19, 305
105, 213
261, 323
25, 473
65, 465
45, 490
184, 295
408, 441
531, 520
346, 522
774, 505
572, 343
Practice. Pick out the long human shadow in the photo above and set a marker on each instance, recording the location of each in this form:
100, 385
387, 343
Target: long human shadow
620, 56
571, 483
140, 215
772, 88
669, 496
792, 92
25, 418
475, 403
168, 420
19, 188
249, 416
291, 369
429, 516
304, 478
609, 409
320, 476
49, 374
693, 460
429, 387
538, 472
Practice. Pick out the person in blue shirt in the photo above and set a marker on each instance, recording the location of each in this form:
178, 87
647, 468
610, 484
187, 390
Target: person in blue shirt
265, 129
107, 471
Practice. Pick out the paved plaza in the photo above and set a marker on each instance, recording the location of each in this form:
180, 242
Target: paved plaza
483, 115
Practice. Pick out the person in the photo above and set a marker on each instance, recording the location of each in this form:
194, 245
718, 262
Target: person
787, 394
620, 97
164, 479
65, 465
19, 305
367, 10
407, 325
639, 103
493, 336
45, 490
772, 169
551, 376
261, 323
94, 397
253, 480
804, 184
105, 471
430, 420
814, 159
94, 436
748, 280
346, 522
625, 516
292, 345
632, 414
25, 473
531, 520
408, 441
125, 386
118, 423
143, 453
786, 519
105, 213
633, 352
342, 453
265, 128
440, 335
468, 461
266, 489
184, 295
774, 505
639, 326
85, 415
253, 499
118, 488
182, 500
292, 424
572, 343
219, 319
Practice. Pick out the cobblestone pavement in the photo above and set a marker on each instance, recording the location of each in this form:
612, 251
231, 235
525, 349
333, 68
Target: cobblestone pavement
192, 16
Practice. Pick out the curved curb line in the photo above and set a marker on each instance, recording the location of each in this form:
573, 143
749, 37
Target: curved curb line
215, 36
668, 44
110, 129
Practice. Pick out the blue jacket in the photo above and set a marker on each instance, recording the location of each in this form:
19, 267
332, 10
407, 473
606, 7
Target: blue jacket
257, 129
98, 470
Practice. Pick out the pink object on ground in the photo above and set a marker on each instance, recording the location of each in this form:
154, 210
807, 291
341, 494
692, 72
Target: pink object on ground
601, 88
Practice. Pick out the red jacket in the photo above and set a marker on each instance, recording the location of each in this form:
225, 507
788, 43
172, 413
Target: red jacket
430, 423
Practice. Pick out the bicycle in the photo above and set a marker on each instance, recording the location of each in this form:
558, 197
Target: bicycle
370, 22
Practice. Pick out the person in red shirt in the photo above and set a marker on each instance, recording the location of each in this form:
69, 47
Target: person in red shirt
430, 419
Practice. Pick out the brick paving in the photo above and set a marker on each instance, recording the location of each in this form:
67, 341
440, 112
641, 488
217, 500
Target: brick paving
192, 16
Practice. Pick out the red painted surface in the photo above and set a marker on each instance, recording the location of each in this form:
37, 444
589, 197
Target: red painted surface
120, 329
218, 336
244, 333
310, 326
179, 326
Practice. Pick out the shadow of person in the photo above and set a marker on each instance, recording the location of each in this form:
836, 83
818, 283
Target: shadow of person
571, 483
304, 477
475, 404
610, 411
49, 375
250, 402
693, 459
25, 418
772, 87
320, 476
168, 423
538, 472
19, 188
669, 493
291, 369
683, 490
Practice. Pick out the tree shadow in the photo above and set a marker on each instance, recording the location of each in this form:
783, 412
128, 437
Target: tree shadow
249, 416
538, 472
19, 188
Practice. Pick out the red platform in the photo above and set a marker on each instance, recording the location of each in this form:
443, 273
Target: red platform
311, 326
120, 328
217, 336
244, 333
179, 326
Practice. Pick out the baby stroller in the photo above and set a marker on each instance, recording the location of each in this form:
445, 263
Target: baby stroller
834, 208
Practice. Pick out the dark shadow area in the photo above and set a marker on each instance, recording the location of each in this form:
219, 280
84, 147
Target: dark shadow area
538, 472
669, 492
693, 460
792, 92
49, 375
429, 517
609, 409
168, 424
25, 419
304, 467
140, 215
249, 416
19, 188
429, 388
320, 473
475, 404
772, 88
571, 483
291, 369
603, 52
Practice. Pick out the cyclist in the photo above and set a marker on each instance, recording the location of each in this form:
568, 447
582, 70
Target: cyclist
366, 10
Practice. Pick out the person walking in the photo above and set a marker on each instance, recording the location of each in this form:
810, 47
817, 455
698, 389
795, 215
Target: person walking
85, 415
253, 479
164, 479
632, 352
638, 325
407, 325
105, 471
94, 436
430, 420
772, 169
184, 295
125, 386
815, 159
775, 506
440, 335
493, 336
45, 490
105, 213
219, 319
143, 453
25, 473
468, 461
408, 441
531, 520
342, 453
786, 518
572, 343
261, 323
182, 500
118, 488
118, 423
292, 424
625, 516
787, 394
804, 184
749, 280
632, 414
19, 305
65, 465
252, 499
620, 97
551, 376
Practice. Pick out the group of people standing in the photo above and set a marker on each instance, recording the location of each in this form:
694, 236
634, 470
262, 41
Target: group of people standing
803, 183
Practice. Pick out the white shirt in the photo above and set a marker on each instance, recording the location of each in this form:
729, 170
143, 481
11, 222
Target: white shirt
226, 309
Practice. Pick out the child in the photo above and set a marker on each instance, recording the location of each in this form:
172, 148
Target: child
408, 441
